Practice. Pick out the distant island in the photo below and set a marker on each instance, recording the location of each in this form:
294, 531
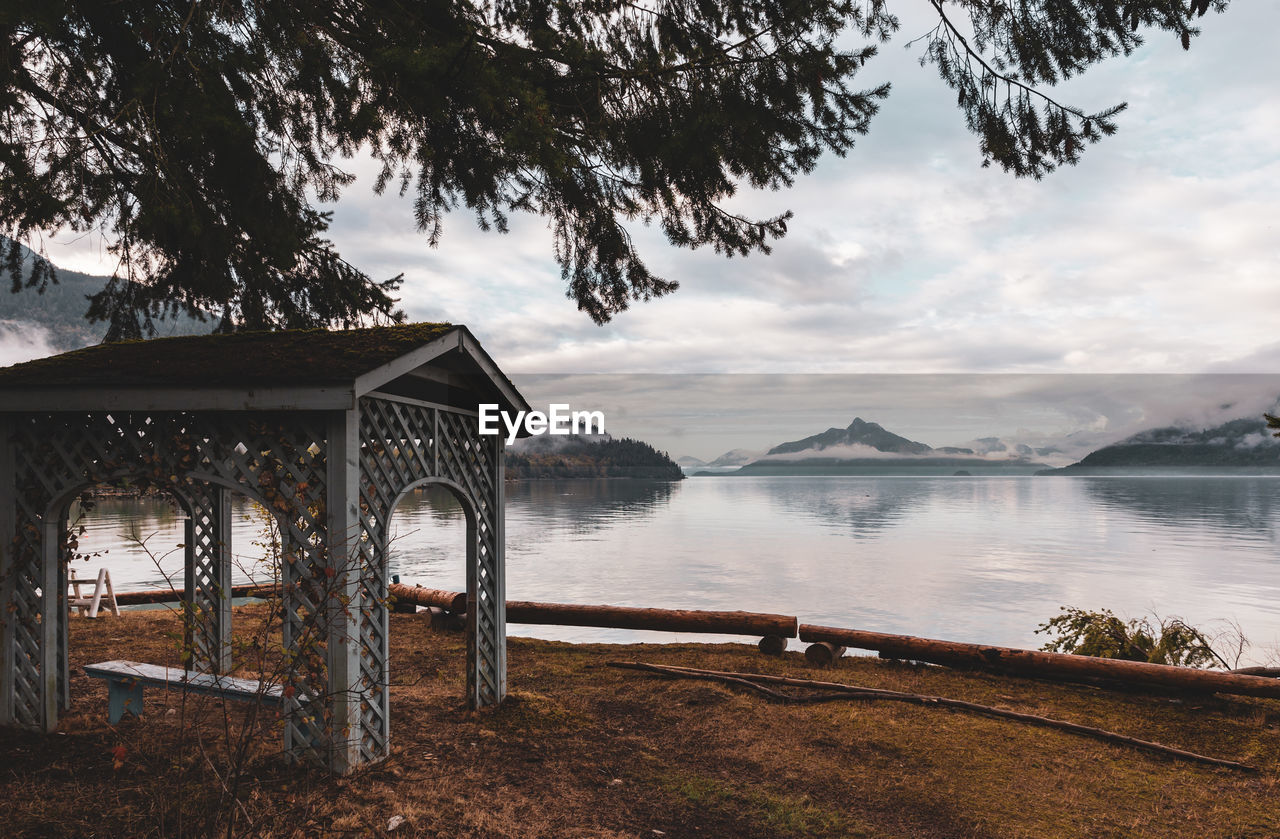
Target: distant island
1239, 447
867, 448
600, 456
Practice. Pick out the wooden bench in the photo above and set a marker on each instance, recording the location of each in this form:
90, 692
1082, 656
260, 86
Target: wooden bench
125, 680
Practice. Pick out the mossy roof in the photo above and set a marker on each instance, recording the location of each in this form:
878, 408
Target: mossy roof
241, 359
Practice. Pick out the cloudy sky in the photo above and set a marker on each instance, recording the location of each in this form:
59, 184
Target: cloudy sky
1159, 253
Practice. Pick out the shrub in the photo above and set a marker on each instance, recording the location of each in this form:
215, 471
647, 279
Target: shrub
1103, 635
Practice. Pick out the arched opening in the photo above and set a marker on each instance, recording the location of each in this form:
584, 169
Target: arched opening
427, 536
431, 542
114, 534
182, 552
136, 536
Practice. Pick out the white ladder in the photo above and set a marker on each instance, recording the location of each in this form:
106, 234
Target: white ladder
90, 605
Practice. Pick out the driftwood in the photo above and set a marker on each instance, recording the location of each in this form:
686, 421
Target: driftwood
1043, 664
165, 595
612, 617
840, 692
772, 645
453, 601
663, 620
1266, 672
823, 653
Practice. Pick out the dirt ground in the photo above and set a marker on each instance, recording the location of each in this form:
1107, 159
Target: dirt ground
582, 749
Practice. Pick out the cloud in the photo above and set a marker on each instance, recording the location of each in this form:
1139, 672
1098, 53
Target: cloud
706, 415
22, 341
1155, 255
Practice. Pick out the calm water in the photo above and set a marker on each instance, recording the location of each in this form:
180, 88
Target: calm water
979, 559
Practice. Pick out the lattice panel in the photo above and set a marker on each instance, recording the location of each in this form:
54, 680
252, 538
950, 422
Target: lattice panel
208, 580
27, 615
280, 461
275, 459
403, 445
469, 460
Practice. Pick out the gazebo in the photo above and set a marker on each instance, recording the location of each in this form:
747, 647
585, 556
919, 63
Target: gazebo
327, 431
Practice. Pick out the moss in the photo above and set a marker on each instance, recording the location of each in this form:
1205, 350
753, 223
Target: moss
781, 814
289, 357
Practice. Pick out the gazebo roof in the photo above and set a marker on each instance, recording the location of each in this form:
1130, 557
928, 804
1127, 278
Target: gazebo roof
436, 363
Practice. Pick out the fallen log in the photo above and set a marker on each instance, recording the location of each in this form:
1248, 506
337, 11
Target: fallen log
823, 653
838, 692
772, 645
1044, 664
453, 601
168, 595
662, 620
443, 619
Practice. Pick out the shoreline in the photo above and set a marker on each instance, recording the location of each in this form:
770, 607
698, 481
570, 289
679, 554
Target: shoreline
583, 749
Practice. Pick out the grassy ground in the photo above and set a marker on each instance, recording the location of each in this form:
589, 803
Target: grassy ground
585, 750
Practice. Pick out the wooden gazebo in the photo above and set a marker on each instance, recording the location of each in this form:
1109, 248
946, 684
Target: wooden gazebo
327, 430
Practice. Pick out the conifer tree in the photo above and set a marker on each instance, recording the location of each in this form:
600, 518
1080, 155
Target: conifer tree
201, 137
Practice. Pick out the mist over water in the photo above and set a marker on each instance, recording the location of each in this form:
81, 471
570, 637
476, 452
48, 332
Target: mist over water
968, 559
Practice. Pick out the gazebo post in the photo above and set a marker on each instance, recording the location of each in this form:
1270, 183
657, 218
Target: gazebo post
51, 601
486, 588
207, 580
499, 502
343, 606
8, 568
63, 613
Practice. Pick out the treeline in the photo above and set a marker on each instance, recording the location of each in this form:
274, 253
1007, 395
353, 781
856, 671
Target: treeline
61, 308
625, 458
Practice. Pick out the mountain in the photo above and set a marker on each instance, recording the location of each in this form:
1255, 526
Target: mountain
891, 466
867, 448
859, 433
60, 309
690, 462
735, 457
1240, 446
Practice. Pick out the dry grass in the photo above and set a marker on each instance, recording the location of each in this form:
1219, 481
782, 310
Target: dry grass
584, 750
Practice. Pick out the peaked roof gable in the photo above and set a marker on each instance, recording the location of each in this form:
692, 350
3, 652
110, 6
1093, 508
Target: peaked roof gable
238, 359
287, 369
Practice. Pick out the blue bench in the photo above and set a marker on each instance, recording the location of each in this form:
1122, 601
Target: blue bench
125, 680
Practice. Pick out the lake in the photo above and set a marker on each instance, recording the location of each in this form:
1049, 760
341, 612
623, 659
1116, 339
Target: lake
968, 559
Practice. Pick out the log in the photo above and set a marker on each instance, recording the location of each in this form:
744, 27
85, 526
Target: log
612, 617
166, 595
442, 618
772, 645
1037, 663
823, 653
453, 601
662, 620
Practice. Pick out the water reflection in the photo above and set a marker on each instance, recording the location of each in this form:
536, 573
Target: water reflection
864, 507
975, 559
1243, 507
129, 519
430, 502
589, 504
428, 529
